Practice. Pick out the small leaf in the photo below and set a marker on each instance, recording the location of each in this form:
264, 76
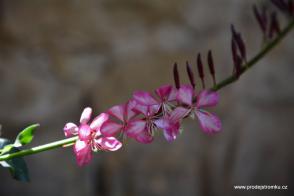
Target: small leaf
6, 149
25, 136
17, 166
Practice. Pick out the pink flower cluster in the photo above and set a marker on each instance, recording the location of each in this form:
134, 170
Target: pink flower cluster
141, 116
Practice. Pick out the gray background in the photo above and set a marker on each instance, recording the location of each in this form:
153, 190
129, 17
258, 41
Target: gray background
56, 57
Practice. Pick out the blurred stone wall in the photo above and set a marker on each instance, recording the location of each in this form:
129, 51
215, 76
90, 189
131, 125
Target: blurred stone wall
56, 57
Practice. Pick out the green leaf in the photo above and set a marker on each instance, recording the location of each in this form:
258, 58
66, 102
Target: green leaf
17, 166
6, 149
25, 136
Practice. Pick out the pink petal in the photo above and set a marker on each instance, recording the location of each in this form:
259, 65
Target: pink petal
98, 121
86, 115
117, 111
142, 109
108, 143
185, 94
135, 127
144, 98
110, 128
172, 133
207, 98
162, 123
178, 114
163, 92
173, 94
144, 137
83, 152
129, 113
85, 132
70, 129
170, 129
208, 122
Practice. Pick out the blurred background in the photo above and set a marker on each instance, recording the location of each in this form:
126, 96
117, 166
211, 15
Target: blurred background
56, 57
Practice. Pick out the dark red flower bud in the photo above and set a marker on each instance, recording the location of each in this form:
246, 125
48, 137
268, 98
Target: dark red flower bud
211, 66
190, 74
291, 7
176, 76
274, 25
239, 41
280, 4
234, 51
238, 66
261, 18
237, 60
200, 70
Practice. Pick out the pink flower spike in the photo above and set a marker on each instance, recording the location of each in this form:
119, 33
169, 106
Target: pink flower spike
86, 115
110, 128
108, 143
185, 94
98, 121
83, 152
207, 98
70, 129
144, 98
208, 122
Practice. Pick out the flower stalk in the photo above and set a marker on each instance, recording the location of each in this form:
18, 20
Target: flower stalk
38, 149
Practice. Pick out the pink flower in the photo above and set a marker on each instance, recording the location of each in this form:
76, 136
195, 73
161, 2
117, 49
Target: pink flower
165, 95
148, 127
208, 122
90, 138
127, 123
171, 123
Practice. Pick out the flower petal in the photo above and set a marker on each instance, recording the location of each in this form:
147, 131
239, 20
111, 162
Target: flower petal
85, 132
171, 133
144, 137
173, 94
86, 115
208, 122
117, 111
83, 152
178, 114
207, 98
141, 109
110, 128
98, 121
144, 98
108, 143
163, 92
129, 106
70, 129
162, 123
185, 94
135, 127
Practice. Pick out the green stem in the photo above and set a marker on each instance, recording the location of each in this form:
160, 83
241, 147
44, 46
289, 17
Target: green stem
38, 149
256, 58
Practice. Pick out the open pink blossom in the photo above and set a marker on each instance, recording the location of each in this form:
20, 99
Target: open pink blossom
208, 121
171, 123
165, 95
127, 123
148, 126
90, 137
